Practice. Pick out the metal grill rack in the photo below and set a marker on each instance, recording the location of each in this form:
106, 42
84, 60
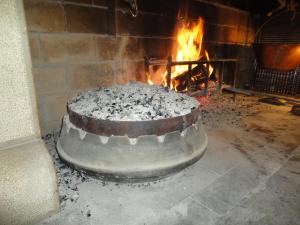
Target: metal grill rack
278, 82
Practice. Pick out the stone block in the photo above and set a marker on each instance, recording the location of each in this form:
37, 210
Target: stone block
108, 47
50, 127
134, 49
250, 36
157, 48
216, 14
161, 7
44, 16
221, 34
79, 1
100, 2
49, 80
228, 191
189, 212
125, 24
34, 44
241, 36
120, 48
52, 107
64, 48
130, 71
216, 147
82, 19
28, 185
146, 24
87, 76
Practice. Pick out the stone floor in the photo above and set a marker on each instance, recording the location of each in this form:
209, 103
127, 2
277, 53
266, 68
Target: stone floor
250, 174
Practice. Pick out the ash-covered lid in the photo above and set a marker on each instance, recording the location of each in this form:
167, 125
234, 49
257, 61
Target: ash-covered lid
134, 101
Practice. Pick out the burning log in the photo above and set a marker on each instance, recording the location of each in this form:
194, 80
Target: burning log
196, 76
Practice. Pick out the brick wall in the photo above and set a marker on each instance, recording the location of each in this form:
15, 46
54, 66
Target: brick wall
82, 44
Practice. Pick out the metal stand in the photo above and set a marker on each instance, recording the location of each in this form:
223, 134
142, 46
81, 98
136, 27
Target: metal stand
169, 63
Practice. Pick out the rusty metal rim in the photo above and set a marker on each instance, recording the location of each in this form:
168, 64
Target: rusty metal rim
132, 129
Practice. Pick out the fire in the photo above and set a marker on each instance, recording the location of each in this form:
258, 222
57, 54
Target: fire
149, 79
188, 48
190, 37
210, 68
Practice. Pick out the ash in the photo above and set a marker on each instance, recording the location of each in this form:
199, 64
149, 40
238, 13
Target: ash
68, 178
134, 101
219, 110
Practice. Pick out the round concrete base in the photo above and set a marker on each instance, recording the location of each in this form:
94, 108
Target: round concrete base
145, 157
28, 185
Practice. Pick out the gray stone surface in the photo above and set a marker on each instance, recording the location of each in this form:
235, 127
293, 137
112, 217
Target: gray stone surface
276, 203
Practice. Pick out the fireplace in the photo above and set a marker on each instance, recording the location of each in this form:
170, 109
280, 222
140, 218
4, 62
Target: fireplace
138, 90
91, 44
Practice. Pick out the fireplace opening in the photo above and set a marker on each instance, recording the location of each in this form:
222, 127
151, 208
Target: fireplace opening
153, 112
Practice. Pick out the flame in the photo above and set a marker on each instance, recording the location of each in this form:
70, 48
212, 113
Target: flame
188, 48
190, 37
150, 82
210, 68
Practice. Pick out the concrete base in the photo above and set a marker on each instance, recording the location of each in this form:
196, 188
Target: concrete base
120, 157
28, 186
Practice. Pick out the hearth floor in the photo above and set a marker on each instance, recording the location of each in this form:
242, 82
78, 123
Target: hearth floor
250, 174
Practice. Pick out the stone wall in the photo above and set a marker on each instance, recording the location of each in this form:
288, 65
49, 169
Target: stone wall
81, 44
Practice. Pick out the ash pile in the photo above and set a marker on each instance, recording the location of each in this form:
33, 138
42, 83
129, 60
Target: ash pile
132, 102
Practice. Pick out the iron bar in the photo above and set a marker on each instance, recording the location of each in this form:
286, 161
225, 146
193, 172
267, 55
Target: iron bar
169, 68
189, 79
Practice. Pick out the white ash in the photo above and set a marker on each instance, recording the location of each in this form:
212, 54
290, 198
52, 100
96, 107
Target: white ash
219, 110
68, 178
134, 101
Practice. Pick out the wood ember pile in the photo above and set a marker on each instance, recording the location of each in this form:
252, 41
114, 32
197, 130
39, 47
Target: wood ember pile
134, 101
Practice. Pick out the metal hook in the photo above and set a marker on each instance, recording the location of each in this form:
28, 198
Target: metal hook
133, 8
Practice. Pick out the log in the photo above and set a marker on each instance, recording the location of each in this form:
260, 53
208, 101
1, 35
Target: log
180, 82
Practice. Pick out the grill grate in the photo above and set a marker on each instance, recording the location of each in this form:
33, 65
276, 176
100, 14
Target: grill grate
278, 82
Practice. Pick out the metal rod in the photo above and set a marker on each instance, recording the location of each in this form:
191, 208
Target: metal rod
206, 79
174, 63
146, 64
169, 68
235, 76
221, 76
189, 79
